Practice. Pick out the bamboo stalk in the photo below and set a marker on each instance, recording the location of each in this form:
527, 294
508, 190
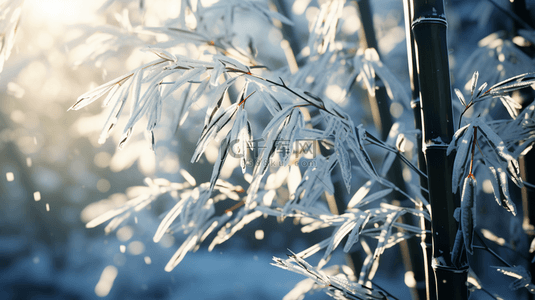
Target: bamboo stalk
426, 240
520, 9
380, 107
428, 23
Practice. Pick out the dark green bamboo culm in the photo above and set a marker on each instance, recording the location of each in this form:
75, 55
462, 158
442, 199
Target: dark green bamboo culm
429, 26
426, 241
380, 106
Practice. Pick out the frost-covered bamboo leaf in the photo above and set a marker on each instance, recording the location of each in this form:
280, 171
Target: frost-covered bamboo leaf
220, 161
270, 102
315, 181
355, 142
500, 187
462, 157
218, 122
460, 97
272, 134
242, 218
458, 247
314, 249
468, 212
186, 76
333, 285
9, 20
457, 137
414, 211
386, 231
375, 141
338, 235
512, 84
188, 101
415, 230
474, 85
135, 202
498, 146
343, 160
113, 117
323, 31
277, 120
523, 278
289, 134
481, 89
95, 94
214, 109
226, 60
353, 237
511, 105
360, 194
397, 238
216, 73
373, 197
162, 53
188, 245
169, 218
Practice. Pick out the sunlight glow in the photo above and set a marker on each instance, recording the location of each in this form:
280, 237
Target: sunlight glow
62, 11
147, 259
409, 279
125, 233
300, 6
10, 176
136, 248
104, 285
259, 234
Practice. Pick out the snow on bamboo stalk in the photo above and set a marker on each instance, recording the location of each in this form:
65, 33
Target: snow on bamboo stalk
429, 25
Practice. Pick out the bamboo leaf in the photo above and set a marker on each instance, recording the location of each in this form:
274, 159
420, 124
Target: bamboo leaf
218, 122
458, 247
460, 96
468, 215
462, 157
500, 187
474, 84
500, 149
355, 143
386, 232
338, 235
523, 278
511, 105
220, 161
373, 197
357, 229
344, 162
360, 194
